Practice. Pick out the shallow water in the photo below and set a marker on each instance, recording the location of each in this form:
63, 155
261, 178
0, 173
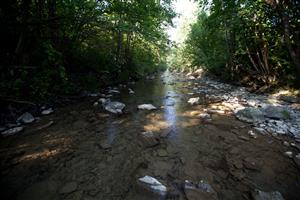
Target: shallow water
101, 155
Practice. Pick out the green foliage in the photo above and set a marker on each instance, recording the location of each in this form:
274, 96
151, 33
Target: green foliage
237, 39
94, 42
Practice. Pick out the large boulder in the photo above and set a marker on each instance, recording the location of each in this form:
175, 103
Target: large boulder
250, 115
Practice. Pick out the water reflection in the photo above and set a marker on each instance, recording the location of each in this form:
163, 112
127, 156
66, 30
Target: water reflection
169, 102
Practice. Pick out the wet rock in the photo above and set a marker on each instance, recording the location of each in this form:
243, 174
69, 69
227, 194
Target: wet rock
250, 115
105, 145
162, 153
12, 131
199, 191
194, 100
68, 188
146, 107
152, 186
288, 154
285, 143
261, 195
26, 118
276, 112
252, 134
149, 139
114, 91
114, 107
47, 111
205, 116
297, 159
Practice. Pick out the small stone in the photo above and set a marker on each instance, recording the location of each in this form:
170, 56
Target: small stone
252, 134
96, 104
114, 107
297, 159
285, 143
26, 118
288, 154
194, 101
68, 188
47, 111
152, 185
146, 107
149, 139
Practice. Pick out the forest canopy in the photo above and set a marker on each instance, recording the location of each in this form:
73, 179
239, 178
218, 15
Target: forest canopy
255, 42
59, 46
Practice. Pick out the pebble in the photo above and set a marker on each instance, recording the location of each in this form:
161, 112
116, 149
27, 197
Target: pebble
288, 154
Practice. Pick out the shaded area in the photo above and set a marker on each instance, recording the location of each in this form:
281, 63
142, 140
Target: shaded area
91, 154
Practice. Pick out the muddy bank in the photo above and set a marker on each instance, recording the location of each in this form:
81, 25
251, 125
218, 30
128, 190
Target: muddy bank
89, 153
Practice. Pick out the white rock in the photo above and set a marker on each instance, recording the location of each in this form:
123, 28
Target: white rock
26, 118
102, 100
194, 100
288, 154
47, 111
252, 134
114, 107
152, 185
130, 91
95, 104
12, 131
146, 107
114, 91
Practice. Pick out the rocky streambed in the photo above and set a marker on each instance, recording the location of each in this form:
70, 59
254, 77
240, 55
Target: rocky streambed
168, 137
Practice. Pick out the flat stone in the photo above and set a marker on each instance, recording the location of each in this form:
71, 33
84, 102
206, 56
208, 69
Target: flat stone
250, 115
68, 188
47, 111
146, 107
12, 131
276, 112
